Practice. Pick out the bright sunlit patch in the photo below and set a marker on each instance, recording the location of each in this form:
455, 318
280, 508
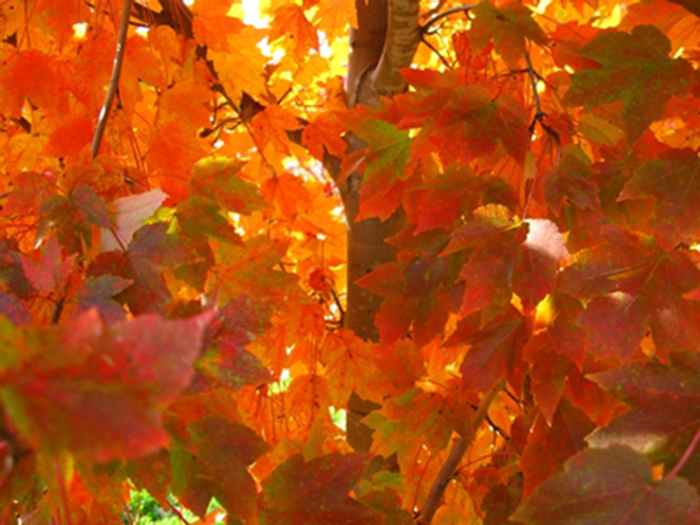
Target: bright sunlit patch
541, 86
613, 19
80, 30
569, 70
678, 53
542, 6
142, 31
188, 2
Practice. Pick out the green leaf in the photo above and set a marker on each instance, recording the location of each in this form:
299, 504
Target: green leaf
217, 179
316, 492
635, 68
510, 25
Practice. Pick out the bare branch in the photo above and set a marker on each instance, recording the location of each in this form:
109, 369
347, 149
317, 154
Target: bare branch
464, 8
447, 472
114, 81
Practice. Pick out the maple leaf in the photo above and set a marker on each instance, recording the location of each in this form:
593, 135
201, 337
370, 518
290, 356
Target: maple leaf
504, 258
128, 214
388, 148
216, 466
98, 292
73, 215
218, 180
415, 419
664, 401
152, 250
316, 491
226, 361
300, 36
288, 192
97, 391
634, 68
571, 180
324, 134
674, 180
613, 485
494, 349
549, 373
633, 285
51, 271
271, 126
461, 123
551, 443
440, 202
509, 26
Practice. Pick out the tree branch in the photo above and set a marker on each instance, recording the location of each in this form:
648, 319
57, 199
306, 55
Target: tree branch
434, 499
400, 45
464, 8
114, 81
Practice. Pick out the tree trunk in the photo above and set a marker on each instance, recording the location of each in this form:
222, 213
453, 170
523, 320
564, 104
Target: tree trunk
386, 39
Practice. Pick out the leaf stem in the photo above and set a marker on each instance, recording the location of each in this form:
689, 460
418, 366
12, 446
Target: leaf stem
434, 499
686, 455
114, 81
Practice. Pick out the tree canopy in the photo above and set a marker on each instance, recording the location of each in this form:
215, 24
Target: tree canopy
363, 262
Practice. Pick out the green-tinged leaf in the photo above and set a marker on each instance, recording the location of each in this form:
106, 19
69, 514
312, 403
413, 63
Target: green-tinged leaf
98, 391
217, 179
152, 250
571, 180
227, 362
674, 180
199, 219
613, 485
316, 492
636, 69
510, 25
91, 207
665, 401
388, 148
98, 292
215, 466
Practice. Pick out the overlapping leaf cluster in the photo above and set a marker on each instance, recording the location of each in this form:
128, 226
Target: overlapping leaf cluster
172, 309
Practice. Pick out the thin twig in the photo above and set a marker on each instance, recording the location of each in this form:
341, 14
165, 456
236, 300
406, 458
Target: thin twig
177, 512
686, 455
114, 82
464, 8
539, 114
435, 50
447, 472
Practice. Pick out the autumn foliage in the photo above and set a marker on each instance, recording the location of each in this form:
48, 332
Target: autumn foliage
173, 296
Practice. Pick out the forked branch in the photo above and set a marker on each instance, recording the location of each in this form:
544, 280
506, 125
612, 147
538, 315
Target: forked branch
447, 472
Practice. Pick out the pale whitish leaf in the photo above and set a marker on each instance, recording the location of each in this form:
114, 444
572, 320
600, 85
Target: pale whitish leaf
128, 215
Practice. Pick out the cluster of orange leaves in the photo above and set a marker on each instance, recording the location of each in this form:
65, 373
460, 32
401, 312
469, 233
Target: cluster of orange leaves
172, 308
